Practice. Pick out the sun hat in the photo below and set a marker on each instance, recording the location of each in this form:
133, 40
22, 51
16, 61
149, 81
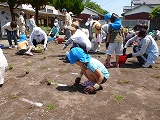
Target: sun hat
97, 27
22, 37
73, 26
107, 16
78, 53
36, 30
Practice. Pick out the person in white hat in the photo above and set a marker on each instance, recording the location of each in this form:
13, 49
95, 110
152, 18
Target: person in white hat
55, 31
3, 67
38, 36
21, 23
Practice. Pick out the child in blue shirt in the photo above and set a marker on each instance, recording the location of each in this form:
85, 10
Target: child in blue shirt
92, 68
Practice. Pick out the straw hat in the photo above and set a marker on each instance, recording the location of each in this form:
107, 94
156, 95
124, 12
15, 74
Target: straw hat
97, 27
73, 26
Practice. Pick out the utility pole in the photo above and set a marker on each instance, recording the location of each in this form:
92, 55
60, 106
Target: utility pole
131, 4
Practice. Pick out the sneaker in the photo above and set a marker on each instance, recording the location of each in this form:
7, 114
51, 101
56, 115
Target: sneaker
15, 46
10, 47
116, 65
107, 65
28, 53
147, 65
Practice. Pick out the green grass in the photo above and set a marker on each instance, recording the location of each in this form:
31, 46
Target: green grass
27, 70
118, 97
14, 96
158, 76
51, 106
126, 80
28, 63
10, 66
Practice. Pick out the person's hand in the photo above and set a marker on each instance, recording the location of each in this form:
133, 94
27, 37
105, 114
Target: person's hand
44, 46
129, 55
124, 51
89, 90
77, 80
64, 46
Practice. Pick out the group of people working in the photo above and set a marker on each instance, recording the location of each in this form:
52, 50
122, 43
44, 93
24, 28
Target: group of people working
96, 72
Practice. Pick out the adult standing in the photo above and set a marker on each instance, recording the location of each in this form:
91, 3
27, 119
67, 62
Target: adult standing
21, 23
67, 22
32, 23
38, 36
12, 30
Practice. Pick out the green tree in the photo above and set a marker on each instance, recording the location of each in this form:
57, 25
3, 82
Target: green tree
75, 6
38, 5
95, 6
12, 5
155, 13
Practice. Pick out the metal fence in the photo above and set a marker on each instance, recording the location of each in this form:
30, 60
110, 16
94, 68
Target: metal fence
132, 23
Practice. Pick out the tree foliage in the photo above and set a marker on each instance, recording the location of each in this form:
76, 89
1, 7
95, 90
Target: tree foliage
95, 6
155, 13
13, 4
75, 6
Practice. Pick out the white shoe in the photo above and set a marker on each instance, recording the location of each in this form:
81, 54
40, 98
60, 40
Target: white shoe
147, 65
10, 47
28, 53
46, 48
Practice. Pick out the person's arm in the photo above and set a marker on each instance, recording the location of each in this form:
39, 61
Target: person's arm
145, 43
45, 39
69, 41
130, 41
4, 29
17, 30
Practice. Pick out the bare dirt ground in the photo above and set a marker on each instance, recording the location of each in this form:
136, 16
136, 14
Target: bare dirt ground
131, 92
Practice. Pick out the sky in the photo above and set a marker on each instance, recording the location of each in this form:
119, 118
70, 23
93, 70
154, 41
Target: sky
113, 6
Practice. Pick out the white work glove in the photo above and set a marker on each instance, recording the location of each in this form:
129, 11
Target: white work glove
65, 26
64, 46
44, 46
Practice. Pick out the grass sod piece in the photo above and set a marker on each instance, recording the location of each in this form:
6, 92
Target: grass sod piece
51, 106
118, 97
10, 66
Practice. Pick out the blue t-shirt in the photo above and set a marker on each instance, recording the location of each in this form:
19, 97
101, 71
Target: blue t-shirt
95, 64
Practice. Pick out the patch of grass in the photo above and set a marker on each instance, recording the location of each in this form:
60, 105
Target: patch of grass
56, 83
64, 70
49, 81
118, 97
14, 96
158, 76
27, 71
28, 63
10, 66
126, 80
44, 57
51, 106
43, 67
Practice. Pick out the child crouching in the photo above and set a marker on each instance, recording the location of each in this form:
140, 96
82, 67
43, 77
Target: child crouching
92, 68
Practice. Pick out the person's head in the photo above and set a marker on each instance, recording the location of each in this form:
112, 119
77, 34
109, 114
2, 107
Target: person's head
64, 10
107, 17
77, 54
13, 24
74, 26
36, 31
140, 26
31, 16
97, 27
142, 33
156, 28
114, 17
22, 37
22, 13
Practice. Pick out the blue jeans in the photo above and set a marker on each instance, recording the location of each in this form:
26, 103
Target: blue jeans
10, 35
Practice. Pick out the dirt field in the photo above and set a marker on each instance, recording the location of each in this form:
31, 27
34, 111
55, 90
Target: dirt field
131, 92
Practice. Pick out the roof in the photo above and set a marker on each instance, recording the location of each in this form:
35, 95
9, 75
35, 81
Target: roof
144, 4
149, 2
93, 10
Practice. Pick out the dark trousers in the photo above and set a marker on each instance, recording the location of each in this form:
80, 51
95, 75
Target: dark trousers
35, 42
12, 35
141, 59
